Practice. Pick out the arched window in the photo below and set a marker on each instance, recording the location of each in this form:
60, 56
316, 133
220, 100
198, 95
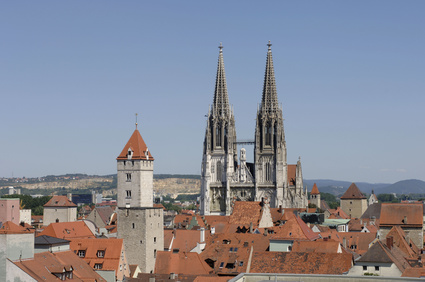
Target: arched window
268, 132
219, 171
268, 172
218, 136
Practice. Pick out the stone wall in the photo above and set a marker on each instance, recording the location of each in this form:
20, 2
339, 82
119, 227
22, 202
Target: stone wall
143, 234
354, 207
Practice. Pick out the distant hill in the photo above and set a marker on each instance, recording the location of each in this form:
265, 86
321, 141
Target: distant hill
411, 186
337, 188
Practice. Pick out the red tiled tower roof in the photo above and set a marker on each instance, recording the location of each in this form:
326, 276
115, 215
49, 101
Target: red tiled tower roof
315, 190
138, 146
353, 193
60, 201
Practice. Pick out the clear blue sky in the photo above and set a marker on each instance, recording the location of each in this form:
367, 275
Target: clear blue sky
350, 76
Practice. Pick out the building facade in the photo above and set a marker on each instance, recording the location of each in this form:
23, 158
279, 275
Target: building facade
139, 223
224, 179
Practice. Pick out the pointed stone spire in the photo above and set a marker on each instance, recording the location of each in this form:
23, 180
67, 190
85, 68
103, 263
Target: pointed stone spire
269, 101
221, 99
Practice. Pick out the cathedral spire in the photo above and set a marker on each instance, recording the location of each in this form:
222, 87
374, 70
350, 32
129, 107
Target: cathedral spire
269, 101
221, 99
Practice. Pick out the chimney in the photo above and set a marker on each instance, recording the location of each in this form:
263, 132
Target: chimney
202, 235
250, 228
390, 242
344, 242
405, 220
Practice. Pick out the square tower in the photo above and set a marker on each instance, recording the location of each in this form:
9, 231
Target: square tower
139, 223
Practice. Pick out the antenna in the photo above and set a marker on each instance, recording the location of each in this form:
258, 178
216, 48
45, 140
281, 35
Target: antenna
136, 120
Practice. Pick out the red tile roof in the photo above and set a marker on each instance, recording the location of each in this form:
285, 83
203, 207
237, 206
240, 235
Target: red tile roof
293, 229
112, 248
395, 214
223, 249
185, 240
180, 263
292, 174
246, 212
43, 264
319, 246
11, 228
60, 201
301, 263
68, 230
315, 190
138, 146
353, 193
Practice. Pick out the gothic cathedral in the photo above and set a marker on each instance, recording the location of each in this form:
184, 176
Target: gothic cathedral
224, 179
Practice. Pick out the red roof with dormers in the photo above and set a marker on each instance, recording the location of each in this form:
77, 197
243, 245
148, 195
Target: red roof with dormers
138, 146
60, 201
315, 190
11, 228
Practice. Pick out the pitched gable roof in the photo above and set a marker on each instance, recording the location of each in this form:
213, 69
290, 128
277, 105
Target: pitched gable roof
43, 264
301, 263
407, 215
180, 263
315, 190
11, 228
293, 229
68, 230
48, 240
353, 192
111, 248
60, 201
246, 212
138, 146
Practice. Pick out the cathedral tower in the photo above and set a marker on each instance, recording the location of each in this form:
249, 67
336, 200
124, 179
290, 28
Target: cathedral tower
220, 151
139, 223
270, 145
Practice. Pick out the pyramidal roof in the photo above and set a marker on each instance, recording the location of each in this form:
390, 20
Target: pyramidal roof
315, 190
221, 98
138, 147
269, 101
353, 193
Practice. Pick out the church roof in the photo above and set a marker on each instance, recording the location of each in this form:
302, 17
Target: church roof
138, 146
315, 190
353, 193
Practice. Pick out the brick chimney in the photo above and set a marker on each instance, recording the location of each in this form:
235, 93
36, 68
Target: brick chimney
390, 242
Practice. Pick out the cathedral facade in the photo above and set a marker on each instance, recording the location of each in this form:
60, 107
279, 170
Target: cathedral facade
225, 178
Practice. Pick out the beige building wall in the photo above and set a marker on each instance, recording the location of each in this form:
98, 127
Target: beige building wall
354, 207
63, 214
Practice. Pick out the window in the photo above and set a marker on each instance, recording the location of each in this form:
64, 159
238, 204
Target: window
128, 177
241, 263
268, 134
231, 250
376, 268
101, 253
221, 265
154, 239
219, 171
98, 265
128, 194
154, 253
82, 253
364, 268
218, 137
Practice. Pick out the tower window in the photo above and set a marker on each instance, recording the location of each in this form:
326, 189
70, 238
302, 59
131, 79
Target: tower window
219, 170
154, 239
128, 194
132, 225
218, 137
268, 131
128, 177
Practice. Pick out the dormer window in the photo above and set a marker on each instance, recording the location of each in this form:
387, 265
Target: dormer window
129, 154
98, 266
101, 253
147, 153
82, 253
